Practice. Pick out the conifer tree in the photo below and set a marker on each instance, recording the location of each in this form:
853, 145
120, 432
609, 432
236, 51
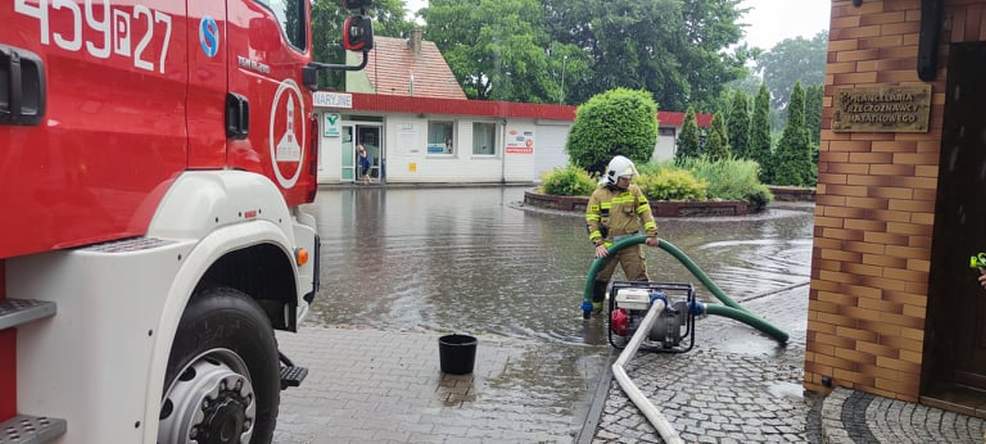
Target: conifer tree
690, 141
718, 146
793, 155
739, 126
760, 143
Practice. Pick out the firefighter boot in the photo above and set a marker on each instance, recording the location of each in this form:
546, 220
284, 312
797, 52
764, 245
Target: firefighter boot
598, 295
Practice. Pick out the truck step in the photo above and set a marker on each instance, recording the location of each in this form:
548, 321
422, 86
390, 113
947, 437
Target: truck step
16, 312
23, 429
292, 376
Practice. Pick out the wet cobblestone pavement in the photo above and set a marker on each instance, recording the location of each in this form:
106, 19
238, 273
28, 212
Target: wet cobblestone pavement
855, 417
736, 386
373, 386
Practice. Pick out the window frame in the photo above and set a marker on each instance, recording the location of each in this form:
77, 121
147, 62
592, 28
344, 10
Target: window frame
453, 123
284, 33
496, 139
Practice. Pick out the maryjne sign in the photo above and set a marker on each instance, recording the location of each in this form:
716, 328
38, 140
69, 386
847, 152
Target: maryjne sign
325, 99
897, 109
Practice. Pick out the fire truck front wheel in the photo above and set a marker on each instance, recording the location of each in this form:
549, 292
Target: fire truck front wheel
222, 383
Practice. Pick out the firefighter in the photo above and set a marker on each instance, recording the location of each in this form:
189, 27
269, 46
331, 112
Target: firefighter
618, 209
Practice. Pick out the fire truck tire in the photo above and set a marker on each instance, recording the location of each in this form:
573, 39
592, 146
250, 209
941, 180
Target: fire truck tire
223, 373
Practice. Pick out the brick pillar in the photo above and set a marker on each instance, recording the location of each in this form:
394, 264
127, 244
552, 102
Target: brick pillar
8, 362
875, 206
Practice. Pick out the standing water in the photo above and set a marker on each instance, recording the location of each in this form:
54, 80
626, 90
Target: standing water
466, 259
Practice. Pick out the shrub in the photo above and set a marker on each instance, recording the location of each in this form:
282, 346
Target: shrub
672, 184
617, 122
727, 179
568, 181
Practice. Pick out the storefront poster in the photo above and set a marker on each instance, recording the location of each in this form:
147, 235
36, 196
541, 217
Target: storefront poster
333, 125
520, 142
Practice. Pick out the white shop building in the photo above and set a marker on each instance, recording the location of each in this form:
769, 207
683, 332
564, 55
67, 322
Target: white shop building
436, 140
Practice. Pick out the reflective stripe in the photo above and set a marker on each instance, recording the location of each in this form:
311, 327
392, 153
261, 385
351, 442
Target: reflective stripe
643, 208
593, 208
650, 226
592, 217
608, 244
595, 235
606, 205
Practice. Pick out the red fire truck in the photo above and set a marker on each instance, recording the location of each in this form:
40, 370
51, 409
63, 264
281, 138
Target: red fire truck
153, 158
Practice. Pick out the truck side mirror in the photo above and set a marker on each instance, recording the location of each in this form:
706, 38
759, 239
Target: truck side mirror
357, 33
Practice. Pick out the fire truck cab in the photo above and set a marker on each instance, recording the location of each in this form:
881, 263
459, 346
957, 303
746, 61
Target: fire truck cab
153, 158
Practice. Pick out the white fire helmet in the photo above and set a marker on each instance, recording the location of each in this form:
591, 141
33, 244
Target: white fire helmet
619, 167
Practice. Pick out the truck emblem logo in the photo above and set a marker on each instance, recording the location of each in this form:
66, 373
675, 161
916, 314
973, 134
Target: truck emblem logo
209, 36
287, 133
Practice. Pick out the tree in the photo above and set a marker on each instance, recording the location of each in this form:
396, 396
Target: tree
794, 150
760, 142
617, 122
679, 51
813, 112
718, 146
793, 60
499, 49
327, 20
690, 141
739, 126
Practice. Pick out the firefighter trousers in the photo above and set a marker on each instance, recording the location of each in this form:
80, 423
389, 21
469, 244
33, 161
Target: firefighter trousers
631, 260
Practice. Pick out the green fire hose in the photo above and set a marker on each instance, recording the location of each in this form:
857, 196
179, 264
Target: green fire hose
730, 309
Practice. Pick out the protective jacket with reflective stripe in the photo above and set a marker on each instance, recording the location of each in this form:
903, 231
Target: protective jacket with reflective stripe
614, 212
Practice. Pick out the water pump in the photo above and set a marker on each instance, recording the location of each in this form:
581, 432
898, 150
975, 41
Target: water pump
674, 330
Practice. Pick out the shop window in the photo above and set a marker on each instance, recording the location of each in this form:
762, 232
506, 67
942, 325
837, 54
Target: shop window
484, 139
441, 137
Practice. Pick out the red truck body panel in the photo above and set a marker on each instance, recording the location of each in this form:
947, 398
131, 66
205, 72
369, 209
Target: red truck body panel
136, 94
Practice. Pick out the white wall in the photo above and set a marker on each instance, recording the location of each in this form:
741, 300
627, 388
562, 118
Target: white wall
408, 159
329, 154
551, 152
664, 150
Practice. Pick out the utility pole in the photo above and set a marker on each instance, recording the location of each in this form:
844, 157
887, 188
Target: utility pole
564, 62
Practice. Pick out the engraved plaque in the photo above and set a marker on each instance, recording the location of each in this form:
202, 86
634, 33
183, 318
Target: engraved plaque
885, 109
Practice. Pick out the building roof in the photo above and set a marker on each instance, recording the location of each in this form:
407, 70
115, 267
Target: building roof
393, 64
489, 108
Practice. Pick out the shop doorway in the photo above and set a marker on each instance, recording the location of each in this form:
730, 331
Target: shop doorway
370, 135
954, 366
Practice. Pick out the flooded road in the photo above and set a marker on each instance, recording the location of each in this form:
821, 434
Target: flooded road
465, 260
399, 267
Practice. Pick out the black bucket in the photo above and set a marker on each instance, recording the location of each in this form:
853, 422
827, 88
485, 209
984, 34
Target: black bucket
457, 354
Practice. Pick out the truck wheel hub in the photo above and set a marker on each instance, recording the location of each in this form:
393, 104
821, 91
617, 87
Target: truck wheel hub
211, 402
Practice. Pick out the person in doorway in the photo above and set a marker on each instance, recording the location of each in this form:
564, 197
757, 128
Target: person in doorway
618, 209
363, 160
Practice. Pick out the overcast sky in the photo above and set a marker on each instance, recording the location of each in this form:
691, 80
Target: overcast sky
770, 20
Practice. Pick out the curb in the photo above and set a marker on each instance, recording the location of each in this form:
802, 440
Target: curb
792, 194
599, 398
724, 208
